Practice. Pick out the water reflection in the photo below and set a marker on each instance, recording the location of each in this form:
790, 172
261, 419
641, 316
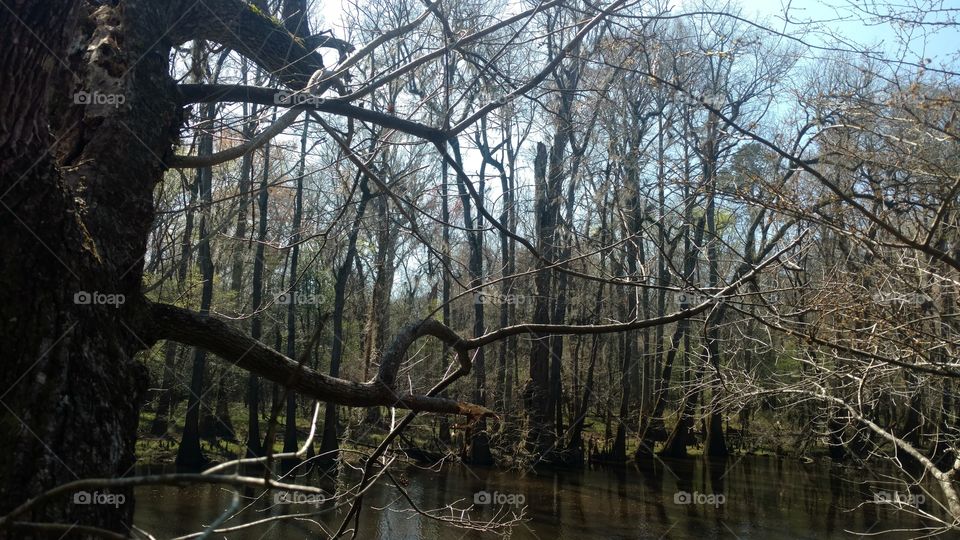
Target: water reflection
748, 498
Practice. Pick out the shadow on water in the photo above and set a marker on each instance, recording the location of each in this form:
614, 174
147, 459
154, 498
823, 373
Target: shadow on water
737, 497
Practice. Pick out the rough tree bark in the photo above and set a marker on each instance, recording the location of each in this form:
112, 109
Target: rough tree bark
77, 178
75, 214
89, 115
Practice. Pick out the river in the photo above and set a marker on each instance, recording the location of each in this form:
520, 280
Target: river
748, 498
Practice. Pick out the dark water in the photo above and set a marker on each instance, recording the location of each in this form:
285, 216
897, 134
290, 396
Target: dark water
747, 498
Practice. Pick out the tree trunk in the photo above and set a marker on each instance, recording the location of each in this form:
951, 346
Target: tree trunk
681, 436
160, 423
619, 450
254, 444
75, 217
715, 444
329, 447
290, 427
575, 443
189, 454
537, 391
378, 315
479, 440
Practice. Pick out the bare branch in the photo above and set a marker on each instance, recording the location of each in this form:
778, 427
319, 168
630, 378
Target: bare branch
240, 150
214, 335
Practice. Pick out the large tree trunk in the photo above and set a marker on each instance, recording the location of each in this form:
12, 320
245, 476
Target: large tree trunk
76, 214
559, 315
651, 427
378, 316
245, 182
504, 383
619, 450
74, 239
507, 352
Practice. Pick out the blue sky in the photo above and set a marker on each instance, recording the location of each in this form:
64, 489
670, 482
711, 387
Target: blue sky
936, 42
940, 44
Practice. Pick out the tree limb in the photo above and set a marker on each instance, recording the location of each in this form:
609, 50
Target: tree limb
214, 335
238, 151
211, 93
258, 36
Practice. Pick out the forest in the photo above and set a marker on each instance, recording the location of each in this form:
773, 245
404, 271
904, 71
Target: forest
474, 269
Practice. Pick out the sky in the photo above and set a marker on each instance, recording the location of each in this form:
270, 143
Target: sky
938, 42
846, 18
